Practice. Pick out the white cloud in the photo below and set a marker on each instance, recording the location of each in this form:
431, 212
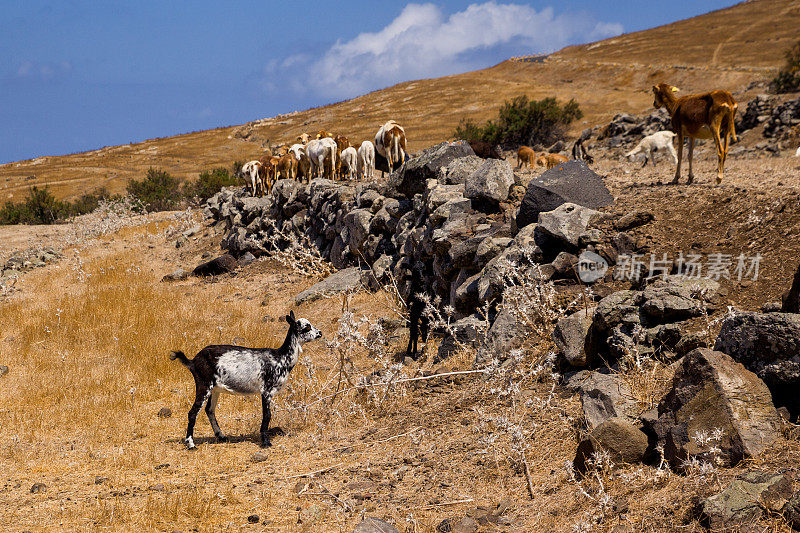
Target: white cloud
43, 71
423, 42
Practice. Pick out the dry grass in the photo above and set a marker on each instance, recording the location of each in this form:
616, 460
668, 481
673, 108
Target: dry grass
89, 373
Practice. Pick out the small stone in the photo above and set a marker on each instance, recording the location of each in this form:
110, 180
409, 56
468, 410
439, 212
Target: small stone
38, 487
3, 370
178, 274
158, 487
374, 525
253, 519
164, 412
259, 457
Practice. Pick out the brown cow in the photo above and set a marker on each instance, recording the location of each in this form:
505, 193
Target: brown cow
526, 156
699, 116
551, 160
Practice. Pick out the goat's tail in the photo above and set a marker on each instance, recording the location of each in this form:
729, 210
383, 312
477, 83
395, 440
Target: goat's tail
180, 356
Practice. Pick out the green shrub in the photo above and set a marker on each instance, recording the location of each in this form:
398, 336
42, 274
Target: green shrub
12, 213
41, 207
89, 202
158, 191
209, 183
788, 79
523, 121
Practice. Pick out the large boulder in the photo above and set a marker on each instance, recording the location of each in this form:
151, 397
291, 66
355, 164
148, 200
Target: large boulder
571, 335
490, 183
357, 223
411, 178
220, 265
621, 307
572, 182
711, 393
507, 333
670, 302
566, 223
743, 501
348, 279
458, 170
623, 441
769, 345
604, 396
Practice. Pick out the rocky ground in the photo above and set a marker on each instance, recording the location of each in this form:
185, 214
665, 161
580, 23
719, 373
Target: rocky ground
463, 452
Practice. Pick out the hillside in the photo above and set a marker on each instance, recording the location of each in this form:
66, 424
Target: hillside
606, 78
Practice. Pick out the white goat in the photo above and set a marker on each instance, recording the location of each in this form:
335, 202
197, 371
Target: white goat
350, 159
366, 160
659, 141
320, 150
303, 163
252, 169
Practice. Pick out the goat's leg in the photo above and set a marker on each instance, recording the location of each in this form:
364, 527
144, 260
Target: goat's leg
266, 415
211, 409
691, 158
720, 154
202, 392
680, 157
413, 333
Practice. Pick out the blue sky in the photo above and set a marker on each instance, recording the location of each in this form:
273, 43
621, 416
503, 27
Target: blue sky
78, 75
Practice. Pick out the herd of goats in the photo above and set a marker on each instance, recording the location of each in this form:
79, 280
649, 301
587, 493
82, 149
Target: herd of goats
707, 115
240, 370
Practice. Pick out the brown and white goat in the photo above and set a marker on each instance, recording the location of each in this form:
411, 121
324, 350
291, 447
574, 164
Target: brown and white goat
390, 142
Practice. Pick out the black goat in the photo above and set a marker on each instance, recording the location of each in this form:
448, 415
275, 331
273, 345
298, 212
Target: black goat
240, 370
417, 319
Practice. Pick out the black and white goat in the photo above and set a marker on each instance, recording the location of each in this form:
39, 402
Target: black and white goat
580, 153
417, 318
240, 370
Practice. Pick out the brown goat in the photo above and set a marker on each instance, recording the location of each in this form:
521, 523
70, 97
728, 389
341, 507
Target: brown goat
551, 160
287, 166
526, 156
341, 143
699, 116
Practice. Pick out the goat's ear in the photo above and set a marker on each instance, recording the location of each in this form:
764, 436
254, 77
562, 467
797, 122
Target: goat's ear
655, 89
291, 317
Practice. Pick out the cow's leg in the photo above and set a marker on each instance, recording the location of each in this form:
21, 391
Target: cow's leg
715, 127
691, 157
